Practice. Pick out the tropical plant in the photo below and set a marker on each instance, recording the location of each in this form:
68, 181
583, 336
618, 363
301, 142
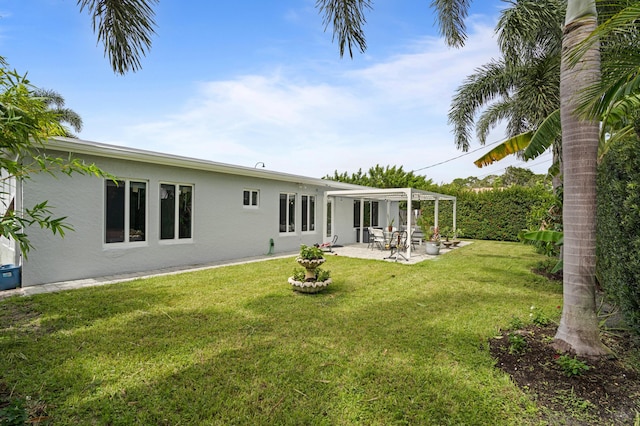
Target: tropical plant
522, 86
25, 123
310, 252
54, 101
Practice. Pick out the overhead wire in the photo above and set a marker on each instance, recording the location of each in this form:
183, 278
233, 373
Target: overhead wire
459, 156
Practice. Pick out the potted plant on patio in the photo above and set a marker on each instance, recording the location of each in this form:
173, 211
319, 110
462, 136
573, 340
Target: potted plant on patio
447, 232
312, 278
432, 236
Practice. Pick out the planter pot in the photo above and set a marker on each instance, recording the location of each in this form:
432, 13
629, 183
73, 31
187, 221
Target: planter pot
310, 266
309, 286
310, 263
432, 248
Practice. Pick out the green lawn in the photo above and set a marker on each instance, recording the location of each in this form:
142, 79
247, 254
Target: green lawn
384, 344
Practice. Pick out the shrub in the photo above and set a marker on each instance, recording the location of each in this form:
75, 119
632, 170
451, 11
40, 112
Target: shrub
618, 230
499, 214
571, 366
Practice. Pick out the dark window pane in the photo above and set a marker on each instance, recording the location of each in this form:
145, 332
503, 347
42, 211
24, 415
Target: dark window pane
114, 206
254, 198
305, 213
312, 213
374, 213
167, 211
186, 195
245, 198
283, 212
329, 219
292, 213
137, 211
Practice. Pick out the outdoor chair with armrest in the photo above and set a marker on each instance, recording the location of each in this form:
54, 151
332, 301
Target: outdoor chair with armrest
378, 238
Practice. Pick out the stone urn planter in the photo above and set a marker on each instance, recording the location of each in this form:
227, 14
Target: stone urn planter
433, 247
313, 279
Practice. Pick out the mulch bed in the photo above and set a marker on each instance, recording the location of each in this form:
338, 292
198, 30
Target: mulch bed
607, 393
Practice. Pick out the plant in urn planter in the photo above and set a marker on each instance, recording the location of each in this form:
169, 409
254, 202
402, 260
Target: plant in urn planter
432, 237
312, 278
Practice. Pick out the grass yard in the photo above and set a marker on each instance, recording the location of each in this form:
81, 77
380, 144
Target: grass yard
384, 344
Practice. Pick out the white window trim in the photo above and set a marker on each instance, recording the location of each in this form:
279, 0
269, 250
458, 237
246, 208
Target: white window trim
176, 230
315, 214
127, 220
251, 192
287, 214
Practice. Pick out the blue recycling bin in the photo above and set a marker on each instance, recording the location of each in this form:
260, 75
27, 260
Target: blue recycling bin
9, 277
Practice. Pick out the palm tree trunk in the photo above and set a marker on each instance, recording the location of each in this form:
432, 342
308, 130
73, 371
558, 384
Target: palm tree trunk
578, 330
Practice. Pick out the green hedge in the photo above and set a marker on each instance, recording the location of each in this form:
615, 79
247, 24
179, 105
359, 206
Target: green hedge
618, 228
499, 214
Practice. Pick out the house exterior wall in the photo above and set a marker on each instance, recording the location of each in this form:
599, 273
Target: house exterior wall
9, 198
223, 228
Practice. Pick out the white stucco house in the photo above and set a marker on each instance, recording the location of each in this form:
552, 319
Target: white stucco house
167, 211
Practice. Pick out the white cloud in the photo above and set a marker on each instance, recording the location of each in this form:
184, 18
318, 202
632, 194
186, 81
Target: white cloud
393, 112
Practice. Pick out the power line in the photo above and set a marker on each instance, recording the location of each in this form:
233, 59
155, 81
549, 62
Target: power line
455, 158
523, 163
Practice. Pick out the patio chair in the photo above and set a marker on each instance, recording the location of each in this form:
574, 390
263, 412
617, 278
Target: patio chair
328, 246
416, 238
376, 238
397, 244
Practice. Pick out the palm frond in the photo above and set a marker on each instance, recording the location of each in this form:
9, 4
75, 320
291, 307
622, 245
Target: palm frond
451, 15
347, 18
125, 28
488, 82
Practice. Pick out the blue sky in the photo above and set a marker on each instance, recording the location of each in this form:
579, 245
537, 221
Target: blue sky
256, 81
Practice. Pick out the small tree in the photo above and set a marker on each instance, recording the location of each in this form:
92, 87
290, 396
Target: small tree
26, 123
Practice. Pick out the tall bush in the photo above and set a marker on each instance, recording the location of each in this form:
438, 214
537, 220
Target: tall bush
618, 228
498, 214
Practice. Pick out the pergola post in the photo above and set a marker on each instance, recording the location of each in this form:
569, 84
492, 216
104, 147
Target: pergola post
362, 220
325, 222
436, 209
409, 227
455, 226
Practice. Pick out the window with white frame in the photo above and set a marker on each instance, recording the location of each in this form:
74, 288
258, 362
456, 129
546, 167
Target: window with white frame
250, 198
287, 213
125, 211
308, 204
176, 204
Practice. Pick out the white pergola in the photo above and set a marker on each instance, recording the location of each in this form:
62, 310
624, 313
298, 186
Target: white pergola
389, 195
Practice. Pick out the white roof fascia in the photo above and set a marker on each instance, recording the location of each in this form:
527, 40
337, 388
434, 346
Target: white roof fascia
391, 194
78, 146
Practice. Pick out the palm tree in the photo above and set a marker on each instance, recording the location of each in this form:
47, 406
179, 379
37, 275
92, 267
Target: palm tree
522, 87
55, 102
578, 328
